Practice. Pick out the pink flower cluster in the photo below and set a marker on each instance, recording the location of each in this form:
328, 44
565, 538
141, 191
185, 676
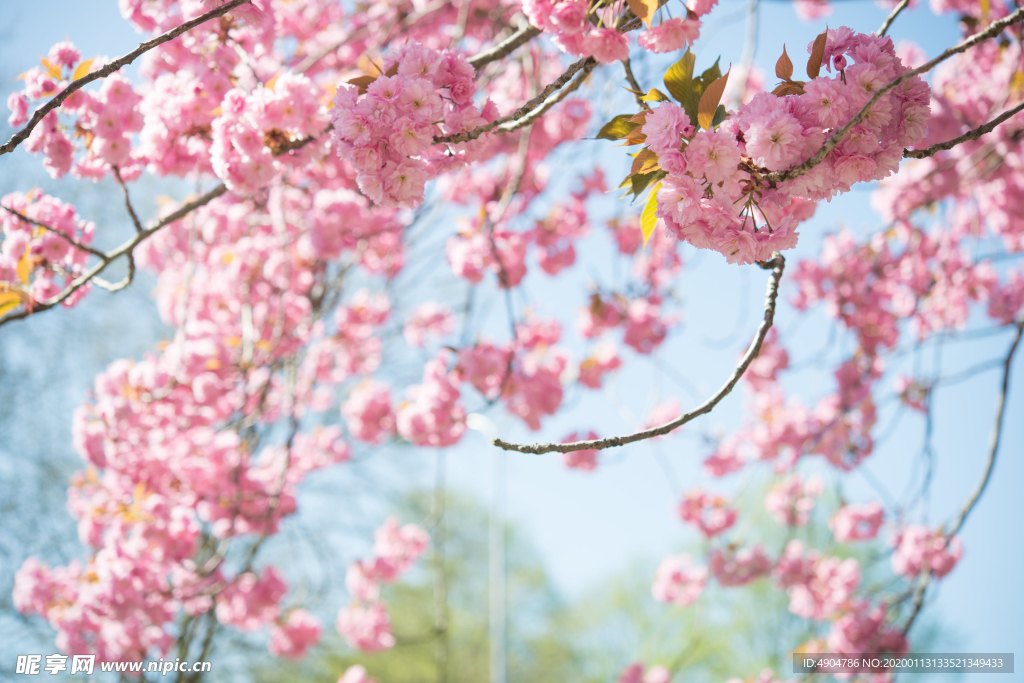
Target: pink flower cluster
818, 587
792, 501
42, 261
708, 512
713, 196
365, 624
387, 133
568, 21
432, 414
857, 522
918, 549
104, 119
679, 581
254, 131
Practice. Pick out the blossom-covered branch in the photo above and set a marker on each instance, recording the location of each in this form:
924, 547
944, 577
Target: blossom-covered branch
126, 249
970, 135
110, 68
777, 264
994, 29
531, 104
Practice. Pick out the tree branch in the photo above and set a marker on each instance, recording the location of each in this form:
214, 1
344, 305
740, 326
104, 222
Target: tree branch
891, 18
627, 70
994, 29
972, 134
525, 34
125, 249
127, 200
530, 118
777, 265
997, 433
522, 111
110, 68
994, 440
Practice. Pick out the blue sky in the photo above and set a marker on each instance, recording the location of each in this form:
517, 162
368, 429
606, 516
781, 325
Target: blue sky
589, 526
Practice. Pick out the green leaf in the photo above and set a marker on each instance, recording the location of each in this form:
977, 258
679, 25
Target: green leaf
641, 181
617, 128
720, 115
679, 77
649, 216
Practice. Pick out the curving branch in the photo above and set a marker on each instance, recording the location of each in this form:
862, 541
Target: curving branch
525, 34
125, 250
110, 68
921, 589
522, 111
997, 433
628, 22
550, 102
994, 29
970, 135
777, 264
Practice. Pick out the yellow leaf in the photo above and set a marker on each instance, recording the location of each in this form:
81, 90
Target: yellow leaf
649, 216
82, 70
51, 68
644, 10
709, 102
25, 266
217, 112
271, 83
8, 302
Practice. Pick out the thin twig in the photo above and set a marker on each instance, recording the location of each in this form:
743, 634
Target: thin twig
777, 264
123, 250
110, 68
972, 134
997, 433
891, 18
993, 450
638, 92
75, 243
995, 28
128, 200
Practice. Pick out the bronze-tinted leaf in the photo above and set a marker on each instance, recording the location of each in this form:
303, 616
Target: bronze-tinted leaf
817, 53
709, 101
644, 10
644, 162
362, 82
784, 67
789, 88
617, 128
